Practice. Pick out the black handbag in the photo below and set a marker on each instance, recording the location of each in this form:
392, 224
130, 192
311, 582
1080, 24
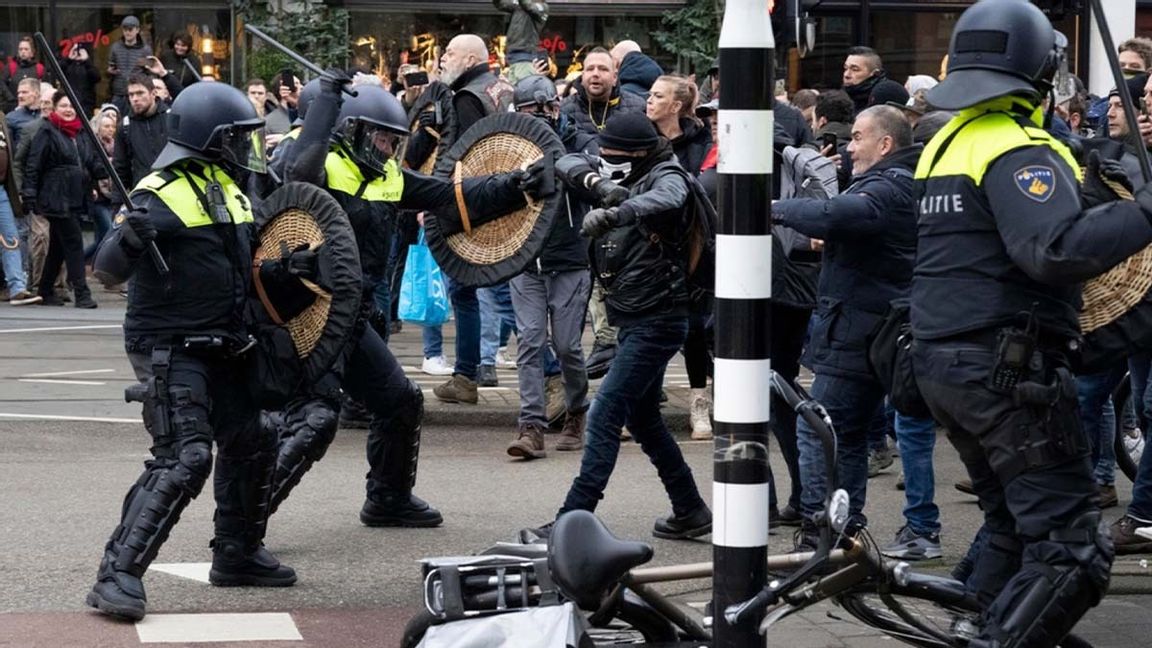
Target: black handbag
890, 354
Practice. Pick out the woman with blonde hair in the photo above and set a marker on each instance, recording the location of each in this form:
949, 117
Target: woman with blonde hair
104, 124
672, 108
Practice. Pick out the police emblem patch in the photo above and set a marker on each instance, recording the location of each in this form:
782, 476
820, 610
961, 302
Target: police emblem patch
1037, 182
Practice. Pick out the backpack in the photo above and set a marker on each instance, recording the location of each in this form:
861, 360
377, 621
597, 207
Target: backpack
698, 248
805, 173
12, 68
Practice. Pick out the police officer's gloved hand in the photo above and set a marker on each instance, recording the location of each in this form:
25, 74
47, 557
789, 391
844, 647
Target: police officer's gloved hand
611, 194
427, 119
333, 81
137, 229
537, 181
302, 261
1099, 174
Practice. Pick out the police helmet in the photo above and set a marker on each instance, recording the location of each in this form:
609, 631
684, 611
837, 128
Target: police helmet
999, 48
307, 94
214, 122
535, 90
372, 126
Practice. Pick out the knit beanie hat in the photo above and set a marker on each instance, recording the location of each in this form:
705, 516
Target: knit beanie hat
888, 90
629, 132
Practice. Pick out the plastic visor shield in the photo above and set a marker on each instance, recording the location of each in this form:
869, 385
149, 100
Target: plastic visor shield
372, 145
244, 147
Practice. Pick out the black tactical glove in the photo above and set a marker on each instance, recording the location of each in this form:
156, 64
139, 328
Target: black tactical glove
611, 194
333, 81
537, 181
302, 261
598, 222
137, 229
1098, 173
427, 119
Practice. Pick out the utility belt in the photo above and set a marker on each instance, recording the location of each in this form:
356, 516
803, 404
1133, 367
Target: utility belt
220, 346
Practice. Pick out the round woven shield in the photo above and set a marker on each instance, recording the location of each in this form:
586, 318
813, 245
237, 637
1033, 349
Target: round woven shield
1115, 292
499, 249
300, 213
436, 94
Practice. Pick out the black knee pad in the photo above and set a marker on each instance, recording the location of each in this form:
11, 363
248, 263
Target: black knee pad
193, 465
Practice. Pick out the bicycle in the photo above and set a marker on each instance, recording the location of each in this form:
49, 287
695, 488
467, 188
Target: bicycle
1131, 429
585, 564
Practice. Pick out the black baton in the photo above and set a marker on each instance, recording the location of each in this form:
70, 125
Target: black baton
286, 51
49, 55
195, 72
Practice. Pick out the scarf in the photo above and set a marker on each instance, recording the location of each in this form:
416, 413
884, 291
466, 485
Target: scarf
69, 128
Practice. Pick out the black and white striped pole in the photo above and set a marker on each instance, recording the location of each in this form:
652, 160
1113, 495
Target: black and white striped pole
743, 295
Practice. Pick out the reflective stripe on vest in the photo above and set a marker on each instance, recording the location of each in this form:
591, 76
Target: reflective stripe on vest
981, 140
174, 187
344, 176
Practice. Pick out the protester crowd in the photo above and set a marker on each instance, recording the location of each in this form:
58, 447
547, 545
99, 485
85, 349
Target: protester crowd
640, 140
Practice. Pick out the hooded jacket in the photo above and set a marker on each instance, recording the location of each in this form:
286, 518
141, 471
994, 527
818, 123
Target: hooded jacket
637, 73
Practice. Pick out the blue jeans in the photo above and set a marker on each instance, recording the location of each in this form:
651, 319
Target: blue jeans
1098, 418
495, 314
1141, 506
101, 214
433, 341
853, 404
10, 248
467, 307
916, 438
630, 394
1139, 367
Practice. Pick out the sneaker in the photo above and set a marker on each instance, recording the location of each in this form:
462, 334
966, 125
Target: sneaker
502, 360
437, 366
572, 435
910, 545
24, 298
788, 517
1125, 538
965, 486
458, 389
529, 443
1108, 497
674, 527
879, 460
700, 415
486, 376
536, 535
555, 400
600, 359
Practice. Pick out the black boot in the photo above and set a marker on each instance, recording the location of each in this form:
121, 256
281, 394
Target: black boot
83, 295
243, 487
393, 455
117, 593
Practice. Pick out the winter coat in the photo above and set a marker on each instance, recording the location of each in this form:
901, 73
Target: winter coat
83, 77
138, 143
60, 173
578, 110
126, 58
175, 65
692, 145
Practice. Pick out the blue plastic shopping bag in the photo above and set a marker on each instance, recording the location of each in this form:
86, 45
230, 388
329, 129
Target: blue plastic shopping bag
423, 295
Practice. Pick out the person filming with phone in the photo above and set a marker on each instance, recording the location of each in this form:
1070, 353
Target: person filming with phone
1125, 145
82, 75
124, 58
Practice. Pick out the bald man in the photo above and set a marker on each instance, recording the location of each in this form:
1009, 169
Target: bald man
635, 69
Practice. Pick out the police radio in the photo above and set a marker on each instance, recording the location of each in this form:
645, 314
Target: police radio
217, 204
1014, 349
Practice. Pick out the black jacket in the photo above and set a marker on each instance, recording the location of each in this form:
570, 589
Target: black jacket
83, 77
693, 145
139, 141
60, 172
870, 243
565, 249
640, 278
637, 74
175, 66
581, 114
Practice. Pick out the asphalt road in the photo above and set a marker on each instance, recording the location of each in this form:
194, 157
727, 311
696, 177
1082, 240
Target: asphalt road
70, 448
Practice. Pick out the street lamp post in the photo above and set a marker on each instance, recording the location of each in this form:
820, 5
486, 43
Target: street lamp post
743, 295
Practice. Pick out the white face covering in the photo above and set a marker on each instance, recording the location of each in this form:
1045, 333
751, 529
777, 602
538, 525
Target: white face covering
615, 172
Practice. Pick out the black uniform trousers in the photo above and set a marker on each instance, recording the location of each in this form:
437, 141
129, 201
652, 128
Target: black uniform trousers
1023, 504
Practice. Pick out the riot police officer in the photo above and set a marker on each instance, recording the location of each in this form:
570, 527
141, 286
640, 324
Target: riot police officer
352, 148
186, 337
1004, 242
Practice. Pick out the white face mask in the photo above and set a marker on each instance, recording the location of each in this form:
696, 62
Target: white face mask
615, 172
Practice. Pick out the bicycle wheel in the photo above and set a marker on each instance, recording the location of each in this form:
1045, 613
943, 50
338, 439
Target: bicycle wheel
1129, 439
416, 627
920, 620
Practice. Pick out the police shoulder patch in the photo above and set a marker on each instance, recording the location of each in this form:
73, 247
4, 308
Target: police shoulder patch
1036, 182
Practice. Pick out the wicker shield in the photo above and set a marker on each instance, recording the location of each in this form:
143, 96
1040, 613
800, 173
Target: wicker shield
500, 249
1116, 316
437, 97
300, 213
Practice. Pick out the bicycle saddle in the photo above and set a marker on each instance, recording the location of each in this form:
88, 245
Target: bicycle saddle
585, 559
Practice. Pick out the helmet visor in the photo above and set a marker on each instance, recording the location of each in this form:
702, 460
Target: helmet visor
373, 145
244, 147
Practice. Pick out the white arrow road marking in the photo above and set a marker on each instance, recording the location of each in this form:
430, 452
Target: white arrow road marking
55, 381
69, 373
192, 571
87, 327
51, 417
191, 628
